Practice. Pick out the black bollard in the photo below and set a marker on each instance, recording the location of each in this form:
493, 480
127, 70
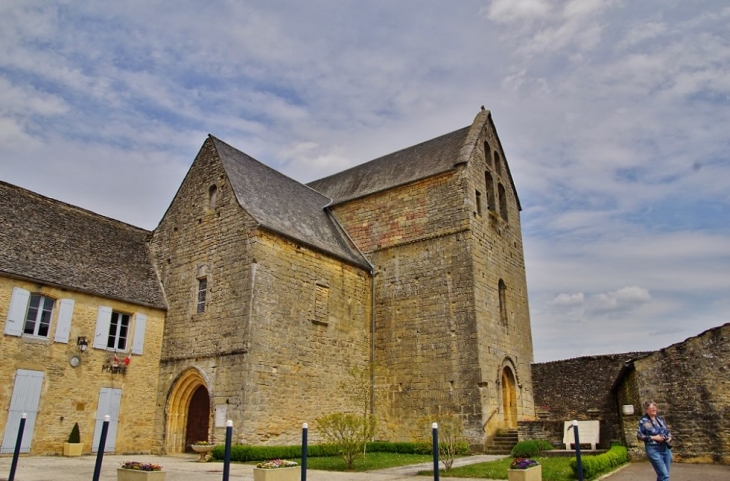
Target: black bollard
578, 461
435, 431
16, 453
102, 446
305, 428
227, 456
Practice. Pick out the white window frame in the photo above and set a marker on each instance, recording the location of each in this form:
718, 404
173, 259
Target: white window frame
39, 316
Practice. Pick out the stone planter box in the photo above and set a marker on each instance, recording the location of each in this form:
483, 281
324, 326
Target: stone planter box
531, 474
137, 475
73, 449
279, 474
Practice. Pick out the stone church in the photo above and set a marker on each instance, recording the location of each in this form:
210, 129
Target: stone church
276, 292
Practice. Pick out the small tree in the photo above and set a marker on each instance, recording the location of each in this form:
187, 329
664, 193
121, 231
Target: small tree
451, 440
75, 436
348, 433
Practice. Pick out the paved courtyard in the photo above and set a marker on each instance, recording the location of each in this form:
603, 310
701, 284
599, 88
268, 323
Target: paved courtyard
185, 468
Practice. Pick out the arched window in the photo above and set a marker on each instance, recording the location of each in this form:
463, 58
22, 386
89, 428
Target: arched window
487, 154
489, 181
502, 202
502, 302
497, 163
212, 196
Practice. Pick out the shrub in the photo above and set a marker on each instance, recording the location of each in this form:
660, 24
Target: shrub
530, 448
594, 466
245, 453
348, 432
75, 436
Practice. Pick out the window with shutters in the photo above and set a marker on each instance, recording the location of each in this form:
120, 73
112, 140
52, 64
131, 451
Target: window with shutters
38, 317
32, 315
118, 331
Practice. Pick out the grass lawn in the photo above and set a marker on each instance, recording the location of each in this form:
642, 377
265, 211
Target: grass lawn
553, 469
370, 462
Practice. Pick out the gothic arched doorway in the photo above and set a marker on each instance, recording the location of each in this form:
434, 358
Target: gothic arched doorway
198, 418
509, 398
188, 412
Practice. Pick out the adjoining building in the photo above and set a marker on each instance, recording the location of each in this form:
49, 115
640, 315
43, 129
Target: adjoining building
83, 317
276, 296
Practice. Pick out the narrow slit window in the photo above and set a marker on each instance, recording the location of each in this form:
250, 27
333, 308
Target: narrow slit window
202, 293
489, 181
502, 303
478, 201
502, 202
321, 300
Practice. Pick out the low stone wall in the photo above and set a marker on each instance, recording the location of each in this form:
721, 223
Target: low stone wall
550, 431
580, 388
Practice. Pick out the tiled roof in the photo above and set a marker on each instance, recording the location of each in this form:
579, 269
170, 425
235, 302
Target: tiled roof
54, 243
283, 205
408, 165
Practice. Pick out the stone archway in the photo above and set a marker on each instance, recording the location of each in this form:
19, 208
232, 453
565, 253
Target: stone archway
509, 398
189, 395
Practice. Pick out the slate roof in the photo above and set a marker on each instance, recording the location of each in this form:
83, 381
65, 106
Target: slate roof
54, 243
424, 160
283, 205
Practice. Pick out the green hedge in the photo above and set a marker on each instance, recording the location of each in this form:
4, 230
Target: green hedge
530, 449
244, 453
594, 466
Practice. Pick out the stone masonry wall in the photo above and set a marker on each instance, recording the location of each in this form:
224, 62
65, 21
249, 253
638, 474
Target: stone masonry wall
269, 361
690, 381
71, 395
496, 247
311, 328
580, 388
198, 240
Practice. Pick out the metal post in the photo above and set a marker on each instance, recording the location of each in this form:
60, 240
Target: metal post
227, 456
435, 431
305, 428
102, 446
16, 453
577, 450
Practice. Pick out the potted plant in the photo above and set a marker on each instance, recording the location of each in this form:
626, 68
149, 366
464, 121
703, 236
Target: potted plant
523, 469
74, 446
203, 448
277, 470
136, 471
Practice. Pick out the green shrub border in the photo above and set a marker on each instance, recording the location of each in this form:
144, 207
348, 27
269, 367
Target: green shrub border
594, 466
244, 453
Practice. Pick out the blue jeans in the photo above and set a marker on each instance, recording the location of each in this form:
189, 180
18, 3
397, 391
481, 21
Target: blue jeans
660, 458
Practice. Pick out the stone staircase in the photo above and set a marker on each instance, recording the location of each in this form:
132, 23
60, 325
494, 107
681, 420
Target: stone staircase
503, 442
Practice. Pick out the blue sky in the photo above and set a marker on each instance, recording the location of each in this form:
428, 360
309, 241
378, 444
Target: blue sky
613, 115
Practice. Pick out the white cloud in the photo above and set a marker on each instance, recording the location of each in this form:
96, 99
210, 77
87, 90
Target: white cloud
613, 117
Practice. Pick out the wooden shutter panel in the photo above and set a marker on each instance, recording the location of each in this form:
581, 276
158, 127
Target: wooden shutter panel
63, 324
16, 312
103, 320
140, 324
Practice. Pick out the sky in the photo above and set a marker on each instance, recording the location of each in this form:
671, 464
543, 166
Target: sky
614, 117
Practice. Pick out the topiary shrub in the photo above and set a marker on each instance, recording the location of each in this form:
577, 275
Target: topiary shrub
75, 436
530, 448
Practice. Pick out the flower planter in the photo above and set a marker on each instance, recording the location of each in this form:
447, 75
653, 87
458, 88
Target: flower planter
530, 474
137, 475
278, 474
203, 450
73, 449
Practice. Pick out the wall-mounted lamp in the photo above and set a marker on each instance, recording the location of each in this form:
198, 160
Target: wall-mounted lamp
82, 343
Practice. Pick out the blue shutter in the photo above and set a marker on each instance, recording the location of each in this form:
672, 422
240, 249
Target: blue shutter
16, 312
140, 323
26, 394
63, 324
103, 321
